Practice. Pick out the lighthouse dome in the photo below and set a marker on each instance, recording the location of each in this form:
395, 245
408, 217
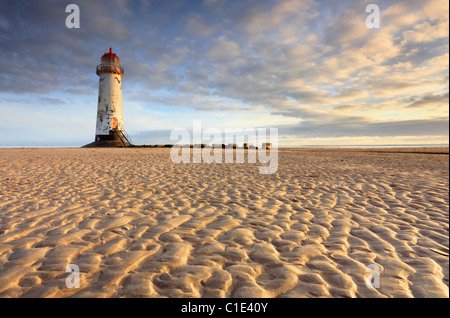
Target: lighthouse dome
110, 55
110, 63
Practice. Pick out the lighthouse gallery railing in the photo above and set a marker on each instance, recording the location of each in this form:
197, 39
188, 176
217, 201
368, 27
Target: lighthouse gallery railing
109, 69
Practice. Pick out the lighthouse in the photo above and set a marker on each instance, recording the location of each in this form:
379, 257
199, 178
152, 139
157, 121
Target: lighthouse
109, 128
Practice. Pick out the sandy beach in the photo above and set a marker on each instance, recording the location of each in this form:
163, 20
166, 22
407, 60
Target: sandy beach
138, 225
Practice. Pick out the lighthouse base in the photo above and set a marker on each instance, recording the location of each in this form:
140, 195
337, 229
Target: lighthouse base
115, 138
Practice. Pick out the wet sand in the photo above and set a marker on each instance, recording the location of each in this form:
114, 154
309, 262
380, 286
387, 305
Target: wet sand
138, 225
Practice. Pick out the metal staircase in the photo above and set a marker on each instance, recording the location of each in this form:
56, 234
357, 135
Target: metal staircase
124, 137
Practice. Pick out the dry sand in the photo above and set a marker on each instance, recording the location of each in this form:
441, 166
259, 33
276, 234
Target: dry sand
138, 225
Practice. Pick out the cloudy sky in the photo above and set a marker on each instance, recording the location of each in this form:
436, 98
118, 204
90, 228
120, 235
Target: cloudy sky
310, 68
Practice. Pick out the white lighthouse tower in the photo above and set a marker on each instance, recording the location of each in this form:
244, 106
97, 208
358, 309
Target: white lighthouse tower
109, 130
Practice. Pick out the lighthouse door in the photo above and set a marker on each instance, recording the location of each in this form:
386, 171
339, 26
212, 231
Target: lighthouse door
114, 123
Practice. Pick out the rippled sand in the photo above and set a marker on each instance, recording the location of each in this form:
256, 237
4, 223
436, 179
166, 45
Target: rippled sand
138, 225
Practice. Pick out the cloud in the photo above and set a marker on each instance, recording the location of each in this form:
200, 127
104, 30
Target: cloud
436, 9
109, 29
223, 50
430, 100
354, 127
348, 27
295, 60
345, 108
427, 32
197, 27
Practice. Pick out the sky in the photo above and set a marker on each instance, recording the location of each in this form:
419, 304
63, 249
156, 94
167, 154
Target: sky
310, 68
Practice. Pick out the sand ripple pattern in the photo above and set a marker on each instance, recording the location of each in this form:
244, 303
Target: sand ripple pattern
138, 225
